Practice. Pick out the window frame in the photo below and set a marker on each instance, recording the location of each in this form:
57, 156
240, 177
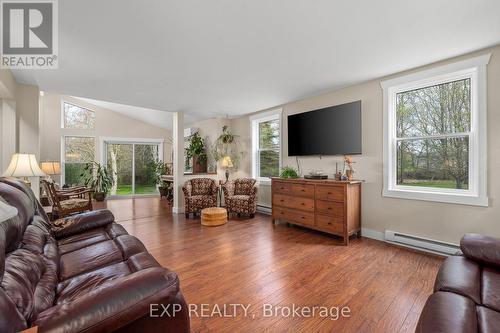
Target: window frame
63, 152
256, 120
475, 70
63, 117
103, 158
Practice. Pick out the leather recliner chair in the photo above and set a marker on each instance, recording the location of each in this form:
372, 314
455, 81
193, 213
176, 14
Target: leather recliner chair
86, 274
466, 294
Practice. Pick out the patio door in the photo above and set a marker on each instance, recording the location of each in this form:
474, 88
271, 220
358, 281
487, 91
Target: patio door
133, 166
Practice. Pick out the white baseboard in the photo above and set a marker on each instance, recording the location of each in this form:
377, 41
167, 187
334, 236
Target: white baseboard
178, 210
373, 234
265, 210
378, 235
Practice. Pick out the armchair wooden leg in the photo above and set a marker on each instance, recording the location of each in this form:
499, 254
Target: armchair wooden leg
252, 215
187, 215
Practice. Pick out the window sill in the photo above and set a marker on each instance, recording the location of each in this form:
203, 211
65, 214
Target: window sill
453, 198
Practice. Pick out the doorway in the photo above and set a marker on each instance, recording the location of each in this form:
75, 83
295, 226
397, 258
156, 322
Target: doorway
133, 166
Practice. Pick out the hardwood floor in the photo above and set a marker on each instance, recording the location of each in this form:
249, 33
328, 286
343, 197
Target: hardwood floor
254, 262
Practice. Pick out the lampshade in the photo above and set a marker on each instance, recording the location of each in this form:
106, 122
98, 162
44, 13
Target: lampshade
23, 165
226, 162
51, 168
6, 211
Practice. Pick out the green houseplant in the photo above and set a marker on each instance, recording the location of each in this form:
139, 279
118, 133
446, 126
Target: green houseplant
197, 151
99, 178
289, 172
165, 188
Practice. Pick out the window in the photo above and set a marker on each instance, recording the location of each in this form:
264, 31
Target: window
266, 157
77, 117
133, 164
78, 151
435, 134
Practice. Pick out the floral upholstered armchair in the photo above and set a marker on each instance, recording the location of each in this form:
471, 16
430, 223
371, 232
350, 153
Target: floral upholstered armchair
199, 193
240, 196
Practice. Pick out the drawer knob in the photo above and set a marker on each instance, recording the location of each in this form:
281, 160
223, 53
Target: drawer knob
302, 217
282, 200
329, 192
329, 223
330, 208
303, 203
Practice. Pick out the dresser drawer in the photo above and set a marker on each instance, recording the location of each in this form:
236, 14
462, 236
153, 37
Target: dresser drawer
332, 208
293, 216
303, 190
330, 223
301, 203
335, 193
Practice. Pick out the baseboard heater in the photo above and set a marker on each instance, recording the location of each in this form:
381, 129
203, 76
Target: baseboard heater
420, 243
264, 209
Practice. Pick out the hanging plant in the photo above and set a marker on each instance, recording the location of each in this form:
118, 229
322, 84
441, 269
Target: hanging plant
226, 145
226, 137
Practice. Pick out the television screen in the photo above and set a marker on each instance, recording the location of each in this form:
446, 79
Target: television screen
334, 130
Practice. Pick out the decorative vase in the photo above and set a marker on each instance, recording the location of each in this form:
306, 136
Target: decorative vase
99, 196
349, 174
199, 165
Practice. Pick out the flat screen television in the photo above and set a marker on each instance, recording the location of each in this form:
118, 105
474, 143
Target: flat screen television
335, 130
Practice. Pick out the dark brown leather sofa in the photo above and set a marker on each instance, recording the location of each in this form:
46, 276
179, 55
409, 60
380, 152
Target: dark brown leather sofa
89, 276
467, 290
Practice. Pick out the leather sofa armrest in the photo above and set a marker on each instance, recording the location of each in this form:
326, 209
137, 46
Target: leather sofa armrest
76, 224
480, 248
110, 307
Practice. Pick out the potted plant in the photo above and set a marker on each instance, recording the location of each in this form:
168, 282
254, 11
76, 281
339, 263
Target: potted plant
289, 172
197, 152
99, 178
226, 137
165, 188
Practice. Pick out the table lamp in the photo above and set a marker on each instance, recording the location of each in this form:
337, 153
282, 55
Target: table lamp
6, 211
23, 165
51, 168
227, 164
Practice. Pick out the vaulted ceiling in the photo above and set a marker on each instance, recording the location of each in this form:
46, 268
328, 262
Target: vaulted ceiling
230, 57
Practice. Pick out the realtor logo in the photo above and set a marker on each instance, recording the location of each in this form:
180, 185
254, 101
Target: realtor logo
29, 34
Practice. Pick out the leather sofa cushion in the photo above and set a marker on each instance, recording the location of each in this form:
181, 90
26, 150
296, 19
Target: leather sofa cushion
461, 276
80, 285
13, 229
488, 320
491, 288
78, 241
448, 313
113, 305
89, 258
29, 280
77, 224
480, 248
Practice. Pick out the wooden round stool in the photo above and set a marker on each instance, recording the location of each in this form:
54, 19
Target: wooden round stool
213, 216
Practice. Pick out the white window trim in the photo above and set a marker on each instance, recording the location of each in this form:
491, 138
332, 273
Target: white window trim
474, 68
63, 116
255, 121
63, 152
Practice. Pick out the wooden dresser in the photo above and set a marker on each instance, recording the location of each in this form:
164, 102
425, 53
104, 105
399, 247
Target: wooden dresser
327, 205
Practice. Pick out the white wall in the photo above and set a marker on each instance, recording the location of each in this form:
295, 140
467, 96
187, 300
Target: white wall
8, 135
107, 124
211, 129
446, 222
